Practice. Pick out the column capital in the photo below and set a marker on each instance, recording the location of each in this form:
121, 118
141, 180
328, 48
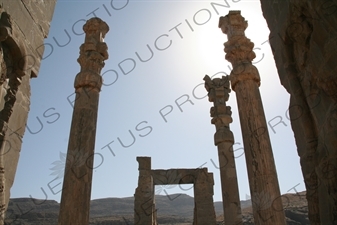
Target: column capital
218, 92
218, 88
233, 24
97, 28
238, 48
93, 52
222, 116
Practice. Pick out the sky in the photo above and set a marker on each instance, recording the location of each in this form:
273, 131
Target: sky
153, 102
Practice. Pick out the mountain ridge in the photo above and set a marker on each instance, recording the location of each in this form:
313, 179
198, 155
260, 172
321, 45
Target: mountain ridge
171, 209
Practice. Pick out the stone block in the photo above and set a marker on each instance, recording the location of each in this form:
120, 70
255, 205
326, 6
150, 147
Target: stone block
144, 163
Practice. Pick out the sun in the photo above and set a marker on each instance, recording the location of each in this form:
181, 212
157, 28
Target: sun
210, 44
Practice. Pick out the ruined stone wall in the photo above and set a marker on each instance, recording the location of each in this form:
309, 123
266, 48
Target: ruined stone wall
303, 38
27, 27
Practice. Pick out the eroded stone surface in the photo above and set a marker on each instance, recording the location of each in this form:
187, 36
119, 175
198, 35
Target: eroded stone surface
76, 191
22, 32
218, 92
145, 210
303, 39
245, 81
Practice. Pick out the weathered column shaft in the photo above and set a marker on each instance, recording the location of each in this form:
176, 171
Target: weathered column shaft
144, 208
218, 92
76, 192
229, 185
245, 81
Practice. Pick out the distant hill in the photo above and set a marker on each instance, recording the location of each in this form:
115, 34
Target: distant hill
295, 208
173, 209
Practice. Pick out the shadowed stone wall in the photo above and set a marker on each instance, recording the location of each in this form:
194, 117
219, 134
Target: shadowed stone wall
303, 38
27, 27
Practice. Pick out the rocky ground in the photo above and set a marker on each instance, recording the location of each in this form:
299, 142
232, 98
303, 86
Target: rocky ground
173, 210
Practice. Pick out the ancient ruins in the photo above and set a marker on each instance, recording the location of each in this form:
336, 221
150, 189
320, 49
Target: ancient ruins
13, 69
76, 192
20, 61
245, 81
218, 92
202, 180
303, 41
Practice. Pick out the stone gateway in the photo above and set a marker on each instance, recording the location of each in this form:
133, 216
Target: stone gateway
145, 211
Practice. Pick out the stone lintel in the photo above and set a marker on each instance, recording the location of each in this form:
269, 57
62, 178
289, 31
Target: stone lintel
177, 176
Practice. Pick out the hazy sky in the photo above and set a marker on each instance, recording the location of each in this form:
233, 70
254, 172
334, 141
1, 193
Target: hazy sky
159, 52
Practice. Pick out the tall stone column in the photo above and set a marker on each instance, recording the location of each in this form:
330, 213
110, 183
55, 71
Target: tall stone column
245, 81
76, 192
218, 92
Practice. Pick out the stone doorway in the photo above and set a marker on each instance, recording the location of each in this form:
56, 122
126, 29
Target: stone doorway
144, 208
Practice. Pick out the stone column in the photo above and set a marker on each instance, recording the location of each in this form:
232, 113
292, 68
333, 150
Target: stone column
245, 81
76, 192
144, 208
218, 92
204, 213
